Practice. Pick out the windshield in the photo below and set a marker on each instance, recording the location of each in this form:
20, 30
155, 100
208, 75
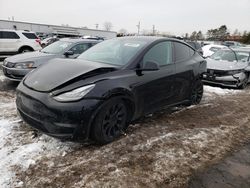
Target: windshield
56, 47
230, 55
115, 51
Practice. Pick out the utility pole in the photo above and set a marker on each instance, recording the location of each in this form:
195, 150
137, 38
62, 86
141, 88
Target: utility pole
153, 29
138, 27
96, 26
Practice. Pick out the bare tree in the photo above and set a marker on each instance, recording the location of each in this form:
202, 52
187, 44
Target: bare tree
123, 31
107, 26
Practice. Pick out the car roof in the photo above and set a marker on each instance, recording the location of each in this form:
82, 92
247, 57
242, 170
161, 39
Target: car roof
12, 30
149, 39
74, 40
239, 49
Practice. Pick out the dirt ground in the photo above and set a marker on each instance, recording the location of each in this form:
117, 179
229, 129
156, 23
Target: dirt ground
171, 148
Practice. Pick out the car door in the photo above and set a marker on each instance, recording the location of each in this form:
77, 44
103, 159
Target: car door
185, 60
79, 48
155, 88
9, 41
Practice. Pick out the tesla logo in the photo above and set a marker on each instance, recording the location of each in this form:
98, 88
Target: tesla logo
35, 82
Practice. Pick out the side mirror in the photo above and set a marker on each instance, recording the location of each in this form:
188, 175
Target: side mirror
150, 66
68, 53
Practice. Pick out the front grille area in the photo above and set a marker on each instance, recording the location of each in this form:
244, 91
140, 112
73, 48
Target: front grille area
217, 72
34, 108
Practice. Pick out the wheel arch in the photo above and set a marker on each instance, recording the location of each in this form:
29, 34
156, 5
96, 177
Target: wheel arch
122, 94
25, 47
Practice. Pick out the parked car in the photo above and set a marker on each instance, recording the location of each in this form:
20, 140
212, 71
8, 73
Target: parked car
210, 49
48, 41
93, 38
16, 67
18, 41
196, 46
228, 67
117, 81
232, 44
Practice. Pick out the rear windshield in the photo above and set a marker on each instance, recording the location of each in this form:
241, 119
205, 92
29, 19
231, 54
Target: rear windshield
30, 35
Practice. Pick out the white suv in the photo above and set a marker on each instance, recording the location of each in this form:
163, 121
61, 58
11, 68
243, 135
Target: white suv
18, 41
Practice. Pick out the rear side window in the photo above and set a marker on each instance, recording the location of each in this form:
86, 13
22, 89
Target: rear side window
30, 35
160, 53
8, 35
182, 52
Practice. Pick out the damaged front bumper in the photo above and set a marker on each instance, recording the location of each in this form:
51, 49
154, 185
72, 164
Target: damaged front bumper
233, 81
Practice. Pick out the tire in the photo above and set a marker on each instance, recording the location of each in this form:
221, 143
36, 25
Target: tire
244, 83
110, 122
197, 93
24, 50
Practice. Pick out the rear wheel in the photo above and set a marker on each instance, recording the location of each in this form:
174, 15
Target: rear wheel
197, 92
110, 122
25, 49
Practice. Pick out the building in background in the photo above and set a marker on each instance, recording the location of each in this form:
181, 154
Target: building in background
50, 30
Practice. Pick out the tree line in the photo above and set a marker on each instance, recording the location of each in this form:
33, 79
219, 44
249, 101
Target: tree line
220, 34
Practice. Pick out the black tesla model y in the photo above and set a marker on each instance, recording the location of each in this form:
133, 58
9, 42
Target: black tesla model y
117, 81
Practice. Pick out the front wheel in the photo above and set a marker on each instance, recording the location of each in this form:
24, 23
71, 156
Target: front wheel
197, 92
110, 122
244, 82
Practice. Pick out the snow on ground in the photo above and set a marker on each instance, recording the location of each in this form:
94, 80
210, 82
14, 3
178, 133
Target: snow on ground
219, 91
2, 78
19, 149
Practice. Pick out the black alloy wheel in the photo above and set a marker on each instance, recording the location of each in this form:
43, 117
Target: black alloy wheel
197, 93
110, 122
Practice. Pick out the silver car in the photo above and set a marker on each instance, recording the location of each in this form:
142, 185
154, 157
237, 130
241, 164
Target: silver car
228, 67
16, 67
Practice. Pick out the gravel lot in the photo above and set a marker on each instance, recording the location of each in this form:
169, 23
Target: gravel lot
171, 148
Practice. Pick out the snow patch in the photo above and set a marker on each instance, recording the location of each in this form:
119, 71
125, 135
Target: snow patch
2, 78
219, 91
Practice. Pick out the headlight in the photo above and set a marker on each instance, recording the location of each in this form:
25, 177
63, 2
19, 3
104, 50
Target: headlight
75, 94
5, 62
24, 65
234, 72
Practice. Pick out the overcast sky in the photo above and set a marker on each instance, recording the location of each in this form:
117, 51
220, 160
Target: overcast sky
173, 16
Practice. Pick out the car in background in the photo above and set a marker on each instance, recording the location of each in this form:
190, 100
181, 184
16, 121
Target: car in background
97, 95
210, 49
93, 38
228, 67
232, 44
18, 41
196, 45
47, 41
16, 67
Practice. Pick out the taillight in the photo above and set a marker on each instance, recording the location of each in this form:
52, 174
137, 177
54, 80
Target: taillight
39, 41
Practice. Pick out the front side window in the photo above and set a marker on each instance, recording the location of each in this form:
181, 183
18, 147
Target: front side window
8, 35
80, 48
182, 52
242, 56
160, 53
56, 47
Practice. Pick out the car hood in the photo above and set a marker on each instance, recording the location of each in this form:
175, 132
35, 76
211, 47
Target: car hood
30, 56
60, 71
225, 65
